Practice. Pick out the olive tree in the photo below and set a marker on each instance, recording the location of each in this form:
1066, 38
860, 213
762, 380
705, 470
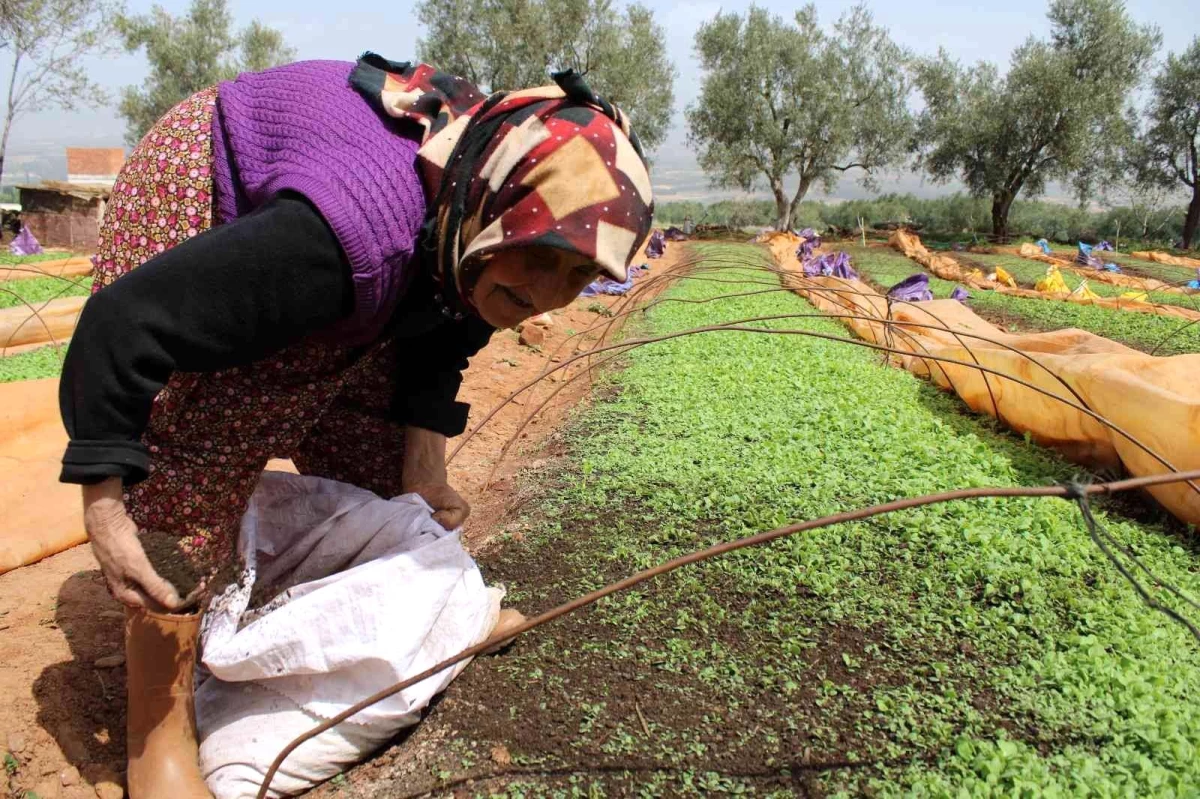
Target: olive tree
785, 98
514, 44
1058, 113
47, 40
1168, 153
191, 53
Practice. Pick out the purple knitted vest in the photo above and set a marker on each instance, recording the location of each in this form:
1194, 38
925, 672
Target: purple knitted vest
302, 128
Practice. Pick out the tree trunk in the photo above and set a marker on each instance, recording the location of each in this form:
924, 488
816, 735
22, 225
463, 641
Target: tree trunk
783, 208
1192, 221
801, 191
1001, 203
10, 106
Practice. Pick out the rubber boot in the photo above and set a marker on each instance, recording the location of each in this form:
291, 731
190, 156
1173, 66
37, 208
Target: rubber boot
160, 656
509, 620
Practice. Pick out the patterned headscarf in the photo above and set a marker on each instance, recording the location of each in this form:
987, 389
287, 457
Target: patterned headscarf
554, 166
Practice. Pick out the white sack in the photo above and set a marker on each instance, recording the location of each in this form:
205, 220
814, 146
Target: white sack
379, 592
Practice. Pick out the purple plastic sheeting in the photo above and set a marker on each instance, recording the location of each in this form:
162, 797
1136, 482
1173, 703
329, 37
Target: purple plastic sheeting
657, 245
675, 234
811, 242
830, 265
914, 288
604, 285
960, 294
25, 243
1103, 246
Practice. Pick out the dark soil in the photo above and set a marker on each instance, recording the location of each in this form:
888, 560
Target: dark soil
170, 561
631, 706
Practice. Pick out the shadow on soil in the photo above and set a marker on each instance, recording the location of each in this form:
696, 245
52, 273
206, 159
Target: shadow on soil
81, 706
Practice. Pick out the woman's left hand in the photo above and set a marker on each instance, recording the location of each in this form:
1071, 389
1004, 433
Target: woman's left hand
450, 510
425, 474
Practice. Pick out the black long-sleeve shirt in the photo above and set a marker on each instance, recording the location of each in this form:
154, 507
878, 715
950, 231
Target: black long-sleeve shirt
225, 298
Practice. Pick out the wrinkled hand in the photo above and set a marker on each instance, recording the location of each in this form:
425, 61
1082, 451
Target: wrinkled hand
131, 579
450, 509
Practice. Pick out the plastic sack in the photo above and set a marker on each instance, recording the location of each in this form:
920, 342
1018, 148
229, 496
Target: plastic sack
1111, 268
604, 285
1044, 245
1085, 258
1104, 246
1084, 291
374, 591
1135, 296
914, 288
24, 243
830, 265
960, 294
657, 245
811, 241
1052, 282
1002, 277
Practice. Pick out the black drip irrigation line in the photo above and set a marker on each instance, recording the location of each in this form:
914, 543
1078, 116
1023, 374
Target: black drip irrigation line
1075, 491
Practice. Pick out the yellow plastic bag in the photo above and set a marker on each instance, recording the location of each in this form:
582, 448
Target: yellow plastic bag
1052, 282
1082, 290
1003, 278
1136, 296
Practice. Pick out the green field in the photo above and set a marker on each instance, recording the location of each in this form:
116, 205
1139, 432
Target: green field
32, 365
37, 290
1171, 335
46, 361
970, 649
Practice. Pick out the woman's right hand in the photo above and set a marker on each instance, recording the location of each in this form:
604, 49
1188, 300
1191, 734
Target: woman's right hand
131, 578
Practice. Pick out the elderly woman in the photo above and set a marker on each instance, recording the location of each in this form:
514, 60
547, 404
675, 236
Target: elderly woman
299, 264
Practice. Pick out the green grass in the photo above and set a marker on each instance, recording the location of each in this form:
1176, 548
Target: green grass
7, 259
37, 290
968, 649
1138, 330
45, 361
32, 365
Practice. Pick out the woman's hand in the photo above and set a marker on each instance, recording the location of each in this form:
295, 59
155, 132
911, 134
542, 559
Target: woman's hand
450, 509
425, 474
131, 578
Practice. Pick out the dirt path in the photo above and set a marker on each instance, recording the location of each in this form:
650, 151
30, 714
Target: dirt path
63, 679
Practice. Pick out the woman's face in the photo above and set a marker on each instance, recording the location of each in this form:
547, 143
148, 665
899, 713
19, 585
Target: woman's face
517, 284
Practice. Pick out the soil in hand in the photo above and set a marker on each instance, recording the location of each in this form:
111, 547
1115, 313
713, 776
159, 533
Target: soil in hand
170, 561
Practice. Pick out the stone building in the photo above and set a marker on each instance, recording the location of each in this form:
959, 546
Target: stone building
67, 214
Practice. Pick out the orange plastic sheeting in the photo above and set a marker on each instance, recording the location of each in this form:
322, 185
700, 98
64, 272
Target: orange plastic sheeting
1166, 258
1156, 400
64, 267
40, 323
942, 266
41, 516
948, 269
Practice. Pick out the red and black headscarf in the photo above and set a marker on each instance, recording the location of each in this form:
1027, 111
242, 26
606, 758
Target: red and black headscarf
554, 166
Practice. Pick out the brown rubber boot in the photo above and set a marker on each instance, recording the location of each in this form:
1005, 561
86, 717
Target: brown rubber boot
160, 654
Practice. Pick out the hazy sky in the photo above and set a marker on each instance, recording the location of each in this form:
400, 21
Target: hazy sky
342, 31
